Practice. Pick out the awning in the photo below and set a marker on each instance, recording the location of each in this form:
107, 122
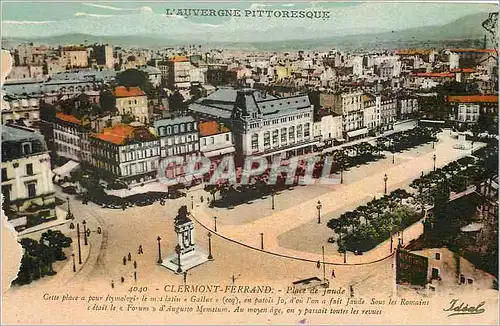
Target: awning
218, 152
358, 132
66, 168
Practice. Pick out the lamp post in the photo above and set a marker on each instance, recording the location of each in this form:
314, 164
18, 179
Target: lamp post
472, 148
324, 266
69, 215
159, 250
74, 264
79, 246
178, 252
402, 237
345, 255
385, 184
273, 193
215, 223
210, 257
392, 157
319, 211
192, 202
262, 241
392, 241
85, 232
341, 175
434, 159
433, 144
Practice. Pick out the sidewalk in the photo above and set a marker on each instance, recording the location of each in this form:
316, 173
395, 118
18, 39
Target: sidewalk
280, 222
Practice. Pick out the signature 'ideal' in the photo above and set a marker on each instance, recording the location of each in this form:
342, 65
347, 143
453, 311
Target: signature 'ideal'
462, 308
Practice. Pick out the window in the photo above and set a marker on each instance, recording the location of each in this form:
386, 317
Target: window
188, 127
291, 134
169, 130
204, 141
26, 148
435, 273
183, 128
4, 174
31, 189
29, 169
299, 132
275, 137
267, 139
283, 135
255, 142
176, 129
438, 256
306, 130
227, 137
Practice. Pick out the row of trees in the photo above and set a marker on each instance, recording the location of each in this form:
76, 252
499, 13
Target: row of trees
370, 224
404, 140
39, 256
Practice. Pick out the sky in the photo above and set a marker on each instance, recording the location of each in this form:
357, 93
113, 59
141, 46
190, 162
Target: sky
23, 19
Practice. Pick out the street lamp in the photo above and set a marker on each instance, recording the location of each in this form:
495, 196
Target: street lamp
69, 215
159, 250
262, 241
319, 211
341, 175
392, 157
472, 148
74, 265
215, 223
79, 246
434, 158
402, 237
178, 252
85, 232
392, 241
345, 255
192, 202
324, 267
433, 144
210, 257
385, 184
272, 199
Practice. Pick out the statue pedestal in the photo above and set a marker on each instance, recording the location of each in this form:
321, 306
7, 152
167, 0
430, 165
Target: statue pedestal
188, 260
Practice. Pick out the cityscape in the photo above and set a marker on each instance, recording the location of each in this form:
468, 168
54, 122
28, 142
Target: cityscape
373, 170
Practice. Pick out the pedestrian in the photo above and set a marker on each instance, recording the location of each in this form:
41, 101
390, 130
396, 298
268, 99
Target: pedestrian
333, 273
112, 284
318, 264
124, 260
129, 256
123, 279
201, 199
140, 249
135, 264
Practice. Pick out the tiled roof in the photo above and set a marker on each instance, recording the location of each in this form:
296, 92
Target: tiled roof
122, 134
412, 51
68, 118
434, 74
473, 99
179, 59
466, 70
122, 91
473, 50
210, 128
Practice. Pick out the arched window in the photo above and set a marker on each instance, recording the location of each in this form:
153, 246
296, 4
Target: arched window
169, 130
299, 132
291, 134
267, 139
183, 128
306, 130
283, 135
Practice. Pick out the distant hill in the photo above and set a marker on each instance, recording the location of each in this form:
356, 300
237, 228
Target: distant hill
466, 31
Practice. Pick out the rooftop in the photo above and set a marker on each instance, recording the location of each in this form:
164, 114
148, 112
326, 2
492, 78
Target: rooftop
210, 128
173, 121
473, 50
68, 118
122, 91
122, 134
473, 98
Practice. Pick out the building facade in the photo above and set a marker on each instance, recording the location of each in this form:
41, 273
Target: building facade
129, 153
27, 188
71, 138
133, 102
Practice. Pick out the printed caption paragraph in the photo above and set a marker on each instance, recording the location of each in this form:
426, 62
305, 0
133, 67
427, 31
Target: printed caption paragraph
218, 299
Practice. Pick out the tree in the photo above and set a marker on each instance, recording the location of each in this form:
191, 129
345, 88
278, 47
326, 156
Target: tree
56, 241
108, 101
131, 78
176, 101
441, 195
